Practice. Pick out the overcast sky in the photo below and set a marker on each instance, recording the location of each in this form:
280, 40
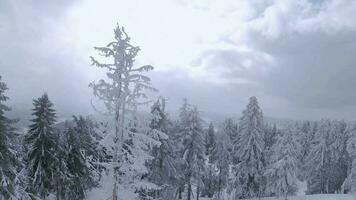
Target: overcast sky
296, 56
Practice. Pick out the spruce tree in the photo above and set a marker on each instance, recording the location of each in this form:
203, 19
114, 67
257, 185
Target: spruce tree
282, 174
222, 165
61, 173
210, 141
319, 160
209, 178
79, 172
230, 132
249, 149
338, 167
92, 150
192, 147
121, 92
7, 158
349, 184
271, 136
163, 169
40, 140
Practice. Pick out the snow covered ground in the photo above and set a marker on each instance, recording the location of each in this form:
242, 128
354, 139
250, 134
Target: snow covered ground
318, 197
104, 193
312, 197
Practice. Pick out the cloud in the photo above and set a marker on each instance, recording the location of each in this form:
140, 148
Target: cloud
300, 52
296, 56
34, 57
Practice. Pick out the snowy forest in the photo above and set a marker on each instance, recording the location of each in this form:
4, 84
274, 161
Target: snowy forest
125, 152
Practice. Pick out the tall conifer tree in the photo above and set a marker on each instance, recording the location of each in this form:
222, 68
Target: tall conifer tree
41, 143
250, 152
7, 158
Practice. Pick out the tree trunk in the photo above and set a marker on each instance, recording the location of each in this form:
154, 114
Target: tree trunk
198, 191
58, 192
189, 190
114, 192
219, 189
180, 190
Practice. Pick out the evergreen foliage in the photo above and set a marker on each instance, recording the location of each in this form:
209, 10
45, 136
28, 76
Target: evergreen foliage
8, 161
249, 149
41, 143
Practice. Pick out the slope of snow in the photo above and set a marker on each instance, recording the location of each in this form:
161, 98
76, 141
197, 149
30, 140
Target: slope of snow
104, 191
318, 197
310, 197
302, 187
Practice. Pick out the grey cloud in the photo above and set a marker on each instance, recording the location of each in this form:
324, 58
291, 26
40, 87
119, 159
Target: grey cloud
299, 61
177, 84
313, 66
33, 61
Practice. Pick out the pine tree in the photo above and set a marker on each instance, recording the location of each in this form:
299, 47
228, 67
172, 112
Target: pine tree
61, 173
193, 147
337, 170
8, 160
319, 159
92, 150
210, 141
230, 131
270, 139
209, 178
305, 137
84, 129
41, 142
249, 151
349, 184
121, 92
222, 165
164, 166
80, 176
282, 174
271, 135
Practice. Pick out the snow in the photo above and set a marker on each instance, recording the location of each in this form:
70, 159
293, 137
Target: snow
317, 197
104, 192
302, 187
310, 197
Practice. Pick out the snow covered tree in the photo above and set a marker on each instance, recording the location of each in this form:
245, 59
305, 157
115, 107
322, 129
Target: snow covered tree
209, 178
216, 172
210, 141
249, 149
230, 131
270, 138
350, 182
305, 137
271, 135
319, 159
92, 150
163, 169
328, 159
193, 147
222, 165
7, 157
84, 128
337, 169
80, 176
282, 174
122, 92
40, 140
74, 172
61, 173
